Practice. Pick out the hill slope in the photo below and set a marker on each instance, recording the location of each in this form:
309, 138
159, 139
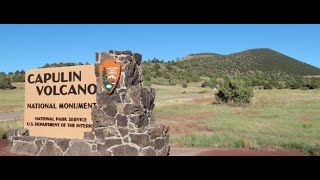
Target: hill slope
265, 60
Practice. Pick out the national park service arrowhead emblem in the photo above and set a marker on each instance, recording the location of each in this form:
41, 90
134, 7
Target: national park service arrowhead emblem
109, 74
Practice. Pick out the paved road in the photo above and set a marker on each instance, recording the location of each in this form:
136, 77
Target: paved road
8, 116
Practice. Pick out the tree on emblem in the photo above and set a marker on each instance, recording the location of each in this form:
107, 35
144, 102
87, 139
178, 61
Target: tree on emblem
104, 75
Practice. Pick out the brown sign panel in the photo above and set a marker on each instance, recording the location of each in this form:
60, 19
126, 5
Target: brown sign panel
58, 101
109, 74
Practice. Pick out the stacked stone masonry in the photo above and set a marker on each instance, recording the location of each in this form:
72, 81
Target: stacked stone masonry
123, 121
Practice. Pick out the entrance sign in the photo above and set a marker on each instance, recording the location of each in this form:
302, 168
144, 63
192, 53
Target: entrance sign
58, 101
109, 74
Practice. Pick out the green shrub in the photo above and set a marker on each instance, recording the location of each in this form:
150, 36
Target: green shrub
267, 86
147, 77
172, 82
204, 84
184, 85
234, 91
295, 85
18, 78
5, 82
212, 84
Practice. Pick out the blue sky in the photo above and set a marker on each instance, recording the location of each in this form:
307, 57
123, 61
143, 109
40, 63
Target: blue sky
31, 46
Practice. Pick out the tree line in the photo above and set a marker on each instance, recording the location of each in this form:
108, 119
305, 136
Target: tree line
156, 71
19, 75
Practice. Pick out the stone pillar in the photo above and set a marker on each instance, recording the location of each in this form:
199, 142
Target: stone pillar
123, 121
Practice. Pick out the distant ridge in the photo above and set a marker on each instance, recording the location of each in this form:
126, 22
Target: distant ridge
261, 59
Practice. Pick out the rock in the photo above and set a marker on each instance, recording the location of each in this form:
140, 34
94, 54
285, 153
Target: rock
99, 135
104, 98
99, 118
161, 152
89, 136
105, 56
147, 100
97, 57
148, 151
99, 86
141, 140
132, 75
135, 94
127, 109
140, 121
103, 150
27, 138
159, 144
127, 53
94, 147
126, 140
111, 142
121, 91
127, 99
132, 109
122, 120
131, 126
50, 149
96, 70
125, 150
109, 132
137, 57
117, 52
128, 59
11, 133
63, 144
111, 109
80, 148
122, 95
120, 108
24, 148
23, 132
39, 143
141, 130
123, 131
156, 132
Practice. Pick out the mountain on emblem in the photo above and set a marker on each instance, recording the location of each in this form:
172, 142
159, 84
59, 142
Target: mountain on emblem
112, 77
109, 74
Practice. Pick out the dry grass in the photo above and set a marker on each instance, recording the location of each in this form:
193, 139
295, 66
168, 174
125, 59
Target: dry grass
5, 126
276, 119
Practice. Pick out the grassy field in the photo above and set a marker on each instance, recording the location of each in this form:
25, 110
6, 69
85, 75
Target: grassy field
276, 119
12, 100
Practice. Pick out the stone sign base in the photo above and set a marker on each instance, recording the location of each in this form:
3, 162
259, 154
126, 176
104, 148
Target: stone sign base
100, 142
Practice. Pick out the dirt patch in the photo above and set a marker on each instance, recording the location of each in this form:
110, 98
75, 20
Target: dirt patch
206, 151
187, 128
236, 152
185, 124
306, 117
204, 100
